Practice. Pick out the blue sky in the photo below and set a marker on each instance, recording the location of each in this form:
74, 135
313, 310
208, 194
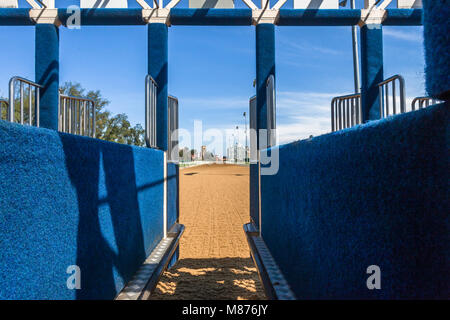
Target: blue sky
211, 69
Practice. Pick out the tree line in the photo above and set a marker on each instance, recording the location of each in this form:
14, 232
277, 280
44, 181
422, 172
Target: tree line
108, 126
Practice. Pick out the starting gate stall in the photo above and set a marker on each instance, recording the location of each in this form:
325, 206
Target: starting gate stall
337, 204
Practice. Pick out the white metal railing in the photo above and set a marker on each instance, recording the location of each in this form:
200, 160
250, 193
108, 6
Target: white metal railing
345, 111
423, 102
150, 112
172, 117
387, 108
271, 111
28, 98
76, 115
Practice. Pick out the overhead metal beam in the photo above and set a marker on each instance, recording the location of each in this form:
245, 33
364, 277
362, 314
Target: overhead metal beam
210, 17
322, 17
222, 17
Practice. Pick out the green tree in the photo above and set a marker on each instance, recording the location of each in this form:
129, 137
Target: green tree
115, 128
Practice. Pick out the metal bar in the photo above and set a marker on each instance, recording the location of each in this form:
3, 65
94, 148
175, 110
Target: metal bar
72, 116
64, 115
353, 109
88, 120
11, 100
394, 108
29, 105
402, 94
79, 117
21, 102
85, 119
381, 101
358, 112
94, 117
332, 115
386, 93
37, 111
348, 113
355, 47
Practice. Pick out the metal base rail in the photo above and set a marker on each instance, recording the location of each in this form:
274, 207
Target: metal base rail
147, 277
274, 283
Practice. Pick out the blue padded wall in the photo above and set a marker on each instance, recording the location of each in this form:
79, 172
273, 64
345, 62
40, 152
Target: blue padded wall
254, 194
47, 73
70, 200
371, 70
437, 46
172, 194
374, 194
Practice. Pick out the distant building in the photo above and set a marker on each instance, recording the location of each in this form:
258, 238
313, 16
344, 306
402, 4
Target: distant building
236, 153
203, 153
185, 154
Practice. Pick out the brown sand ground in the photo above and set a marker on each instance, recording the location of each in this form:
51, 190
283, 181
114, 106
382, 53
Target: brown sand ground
215, 262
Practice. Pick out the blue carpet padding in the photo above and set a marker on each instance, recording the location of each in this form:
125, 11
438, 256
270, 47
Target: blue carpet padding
70, 200
374, 194
15, 17
105, 16
436, 22
208, 17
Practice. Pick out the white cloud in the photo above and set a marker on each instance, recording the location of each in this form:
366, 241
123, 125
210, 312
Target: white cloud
302, 128
217, 102
403, 35
294, 47
301, 114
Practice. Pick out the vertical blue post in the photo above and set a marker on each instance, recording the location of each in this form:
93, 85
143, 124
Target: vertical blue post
437, 45
47, 73
158, 69
371, 70
265, 66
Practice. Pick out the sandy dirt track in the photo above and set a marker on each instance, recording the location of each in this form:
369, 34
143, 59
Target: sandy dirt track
215, 263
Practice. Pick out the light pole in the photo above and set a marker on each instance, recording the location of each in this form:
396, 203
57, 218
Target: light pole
246, 145
355, 54
356, 77
236, 144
